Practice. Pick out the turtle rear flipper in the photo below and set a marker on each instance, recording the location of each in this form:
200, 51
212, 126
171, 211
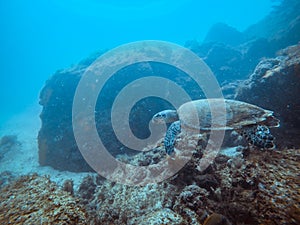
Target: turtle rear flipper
259, 136
170, 137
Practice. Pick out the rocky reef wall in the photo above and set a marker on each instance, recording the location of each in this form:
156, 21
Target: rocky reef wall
275, 85
233, 54
36, 200
57, 145
254, 189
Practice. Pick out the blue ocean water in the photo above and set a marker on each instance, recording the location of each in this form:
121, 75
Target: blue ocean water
39, 37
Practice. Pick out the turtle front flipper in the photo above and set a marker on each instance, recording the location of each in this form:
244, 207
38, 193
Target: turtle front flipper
260, 136
170, 137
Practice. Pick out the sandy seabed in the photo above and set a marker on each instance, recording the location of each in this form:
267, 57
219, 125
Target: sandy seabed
22, 159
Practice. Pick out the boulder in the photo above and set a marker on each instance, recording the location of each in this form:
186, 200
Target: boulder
57, 145
275, 85
233, 55
223, 33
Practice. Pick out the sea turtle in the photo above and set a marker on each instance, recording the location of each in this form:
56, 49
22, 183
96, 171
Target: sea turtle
251, 121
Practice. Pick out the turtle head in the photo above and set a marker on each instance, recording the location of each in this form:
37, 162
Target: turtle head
166, 116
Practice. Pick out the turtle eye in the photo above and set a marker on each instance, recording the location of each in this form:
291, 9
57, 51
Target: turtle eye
159, 115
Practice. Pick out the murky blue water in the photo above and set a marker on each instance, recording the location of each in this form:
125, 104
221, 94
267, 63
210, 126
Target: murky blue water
39, 37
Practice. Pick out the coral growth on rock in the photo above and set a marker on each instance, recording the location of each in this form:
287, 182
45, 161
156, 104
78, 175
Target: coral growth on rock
233, 55
36, 200
261, 187
275, 85
120, 204
262, 190
257, 187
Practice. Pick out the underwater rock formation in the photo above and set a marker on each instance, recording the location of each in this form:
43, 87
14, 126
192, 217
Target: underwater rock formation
229, 63
261, 187
236, 57
275, 85
264, 190
163, 216
222, 33
281, 27
36, 200
57, 145
113, 203
56, 141
7, 142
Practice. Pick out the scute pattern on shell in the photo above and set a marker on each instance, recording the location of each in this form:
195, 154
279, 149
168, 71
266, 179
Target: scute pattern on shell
227, 114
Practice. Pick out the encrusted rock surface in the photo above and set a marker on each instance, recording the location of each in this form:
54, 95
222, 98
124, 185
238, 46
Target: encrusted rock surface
281, 27
249, 187
57, 146
233, 55
163, 216
113, 203
257, 187
36, 200
261, 187
264, 190
274, 85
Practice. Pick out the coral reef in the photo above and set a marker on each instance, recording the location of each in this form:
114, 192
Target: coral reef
239, 186
256, 187
114, 203
6, 177
163, 216
281, 27
275, 83
260, 187
36, 200
233, 55
263, 190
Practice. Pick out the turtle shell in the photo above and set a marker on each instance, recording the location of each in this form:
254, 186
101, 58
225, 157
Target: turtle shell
223, 114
